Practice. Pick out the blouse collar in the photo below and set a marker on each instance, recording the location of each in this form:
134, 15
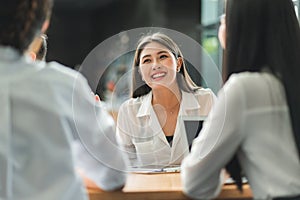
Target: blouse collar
188, 102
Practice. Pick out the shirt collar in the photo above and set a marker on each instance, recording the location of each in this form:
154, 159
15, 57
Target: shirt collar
145, 106
188, 102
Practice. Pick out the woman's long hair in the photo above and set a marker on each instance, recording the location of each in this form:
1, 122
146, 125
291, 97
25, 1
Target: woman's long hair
139, 87
265, 33
21, 21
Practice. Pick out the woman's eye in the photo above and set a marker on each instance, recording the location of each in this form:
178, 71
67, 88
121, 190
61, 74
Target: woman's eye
146, 61
163, 56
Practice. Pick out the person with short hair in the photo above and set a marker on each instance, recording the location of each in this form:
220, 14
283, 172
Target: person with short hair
51, 125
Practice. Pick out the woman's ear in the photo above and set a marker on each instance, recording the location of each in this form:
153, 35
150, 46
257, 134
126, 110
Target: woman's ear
179, 64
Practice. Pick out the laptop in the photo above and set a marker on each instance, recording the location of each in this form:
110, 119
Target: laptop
192, 126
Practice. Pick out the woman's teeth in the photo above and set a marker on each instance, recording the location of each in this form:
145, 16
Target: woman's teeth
158, 75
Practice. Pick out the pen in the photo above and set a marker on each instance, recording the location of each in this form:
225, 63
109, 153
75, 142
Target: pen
173, 169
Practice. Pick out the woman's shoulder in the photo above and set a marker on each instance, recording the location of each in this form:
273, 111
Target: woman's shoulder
204, 96
250, 77
61, 70
251, 80
131, 101
254, 88
59, 74
204, 92
134, 103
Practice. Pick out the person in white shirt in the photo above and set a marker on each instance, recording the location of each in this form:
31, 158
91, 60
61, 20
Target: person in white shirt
256, 115
147, 127
51, 125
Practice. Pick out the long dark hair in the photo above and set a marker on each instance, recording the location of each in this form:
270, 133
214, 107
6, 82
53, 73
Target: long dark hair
139, 87
21, 21
265, 33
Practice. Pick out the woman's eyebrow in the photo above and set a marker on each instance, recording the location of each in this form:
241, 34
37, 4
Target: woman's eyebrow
148, 55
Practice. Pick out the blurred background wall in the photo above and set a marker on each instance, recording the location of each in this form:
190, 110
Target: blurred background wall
77, 26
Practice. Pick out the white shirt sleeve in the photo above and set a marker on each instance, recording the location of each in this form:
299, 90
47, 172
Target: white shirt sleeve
124, 125
215, 145
97, 153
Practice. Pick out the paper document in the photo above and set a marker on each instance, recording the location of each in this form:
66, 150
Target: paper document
231, 181
149, 170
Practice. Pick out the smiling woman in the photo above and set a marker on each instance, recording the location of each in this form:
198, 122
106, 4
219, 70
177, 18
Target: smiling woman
158, 67
148, 128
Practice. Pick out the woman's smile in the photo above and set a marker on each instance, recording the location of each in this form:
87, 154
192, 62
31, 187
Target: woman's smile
158, 76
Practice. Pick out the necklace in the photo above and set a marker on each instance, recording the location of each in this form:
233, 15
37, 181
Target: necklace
172, 109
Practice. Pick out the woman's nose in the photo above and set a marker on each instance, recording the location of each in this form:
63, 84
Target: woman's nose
155, 65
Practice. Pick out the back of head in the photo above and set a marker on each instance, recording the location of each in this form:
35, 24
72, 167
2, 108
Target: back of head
21, 21
261, 33
265, 34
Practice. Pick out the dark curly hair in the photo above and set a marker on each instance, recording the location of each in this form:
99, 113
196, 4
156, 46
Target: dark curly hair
21, 21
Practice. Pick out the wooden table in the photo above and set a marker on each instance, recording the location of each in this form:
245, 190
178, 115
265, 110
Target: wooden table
158, 187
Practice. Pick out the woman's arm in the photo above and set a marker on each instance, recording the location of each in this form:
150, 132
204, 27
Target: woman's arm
216, 144
124, 138
95, 147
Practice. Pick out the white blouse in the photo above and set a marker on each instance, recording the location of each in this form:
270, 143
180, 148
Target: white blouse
141, 136
250, 117
49, 122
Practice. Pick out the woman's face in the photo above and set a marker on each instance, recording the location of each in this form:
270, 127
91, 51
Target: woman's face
158, 66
